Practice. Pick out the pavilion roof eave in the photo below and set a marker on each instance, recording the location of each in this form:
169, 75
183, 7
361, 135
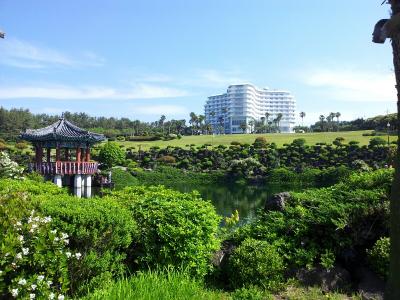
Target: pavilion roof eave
62, 132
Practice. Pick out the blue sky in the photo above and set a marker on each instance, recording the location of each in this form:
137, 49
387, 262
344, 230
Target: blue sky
141, 59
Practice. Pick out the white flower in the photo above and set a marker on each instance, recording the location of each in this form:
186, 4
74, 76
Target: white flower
51, 296
19, 255
56, 239
53, 231
49, 283
47, 219
32, 296
25, 251
66, 241
14, 292
33, 286
19, 223
34, 226
36, 219
68, 254
22, 281
40, 278
14, 265
60, 297
64, 235
1, 272
21, 238
29, 220
78, 255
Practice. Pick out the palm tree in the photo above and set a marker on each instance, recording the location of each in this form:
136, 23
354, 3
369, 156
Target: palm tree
322, 119
251, 124
263, 124
278, 120
267, 115
201, 118
212, 114
221, 123
161, 122
302, 115
243, 126
193, 120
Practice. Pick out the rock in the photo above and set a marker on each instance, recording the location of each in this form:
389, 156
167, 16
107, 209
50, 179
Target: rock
334, 279
370, 286
221, 255
277, 202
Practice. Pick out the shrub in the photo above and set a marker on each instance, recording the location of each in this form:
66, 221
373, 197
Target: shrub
144, 138
235, 143
377, 141
256, 263
175, 229
260, 142
299, 142
251, 293
167, 159
122, 178
378, 257
100, 230
21, 145
111, 154
9, 168
3, 146
33, 257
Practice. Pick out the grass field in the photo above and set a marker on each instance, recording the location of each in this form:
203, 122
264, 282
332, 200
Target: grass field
278, 138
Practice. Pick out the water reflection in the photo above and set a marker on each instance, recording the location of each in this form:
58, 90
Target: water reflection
246, 199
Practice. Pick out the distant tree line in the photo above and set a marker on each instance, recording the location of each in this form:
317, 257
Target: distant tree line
13, 121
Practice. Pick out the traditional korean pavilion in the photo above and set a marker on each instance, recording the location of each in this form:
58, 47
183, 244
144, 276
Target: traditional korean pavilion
72, 152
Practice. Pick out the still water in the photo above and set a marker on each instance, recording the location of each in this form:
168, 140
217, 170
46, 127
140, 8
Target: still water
247, 199
226, 198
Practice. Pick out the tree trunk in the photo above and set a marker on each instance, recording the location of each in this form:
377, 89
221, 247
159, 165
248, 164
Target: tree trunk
393, 286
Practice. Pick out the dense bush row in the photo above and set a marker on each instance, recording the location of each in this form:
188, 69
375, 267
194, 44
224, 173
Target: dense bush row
259, 159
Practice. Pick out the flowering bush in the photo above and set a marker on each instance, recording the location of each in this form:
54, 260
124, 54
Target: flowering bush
33, 256
9, 168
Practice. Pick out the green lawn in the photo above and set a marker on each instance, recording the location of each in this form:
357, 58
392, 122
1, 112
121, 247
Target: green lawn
278, 138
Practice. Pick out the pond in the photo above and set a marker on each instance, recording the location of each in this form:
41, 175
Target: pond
226, 198
247, 199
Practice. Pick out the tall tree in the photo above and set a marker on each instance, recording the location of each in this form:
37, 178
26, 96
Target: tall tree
322, 119
193, 120
278, 121
302, 115
393, 285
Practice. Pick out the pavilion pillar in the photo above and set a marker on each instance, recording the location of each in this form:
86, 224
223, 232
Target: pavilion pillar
58, 153
58, 180
87, 156
37, 154
48, 155
78, 154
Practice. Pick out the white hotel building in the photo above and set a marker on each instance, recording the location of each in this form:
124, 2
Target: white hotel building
245, 103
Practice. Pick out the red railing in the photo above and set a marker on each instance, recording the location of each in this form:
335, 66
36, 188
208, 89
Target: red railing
64, 167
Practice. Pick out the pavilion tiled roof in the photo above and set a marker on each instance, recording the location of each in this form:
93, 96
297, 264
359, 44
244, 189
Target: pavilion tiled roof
60, 131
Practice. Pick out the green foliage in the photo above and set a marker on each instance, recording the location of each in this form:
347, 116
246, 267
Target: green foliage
33, 257
175, 229
258, 263
251, 293
9, 168
100, 230
122, 178
167, 285
318, 225
378, 257
111, 154
377, 141
260, 142
167, 159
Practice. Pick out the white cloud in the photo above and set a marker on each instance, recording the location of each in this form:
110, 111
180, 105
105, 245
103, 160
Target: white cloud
22, 54
353, 85
139, 91
160, 110
216, 78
